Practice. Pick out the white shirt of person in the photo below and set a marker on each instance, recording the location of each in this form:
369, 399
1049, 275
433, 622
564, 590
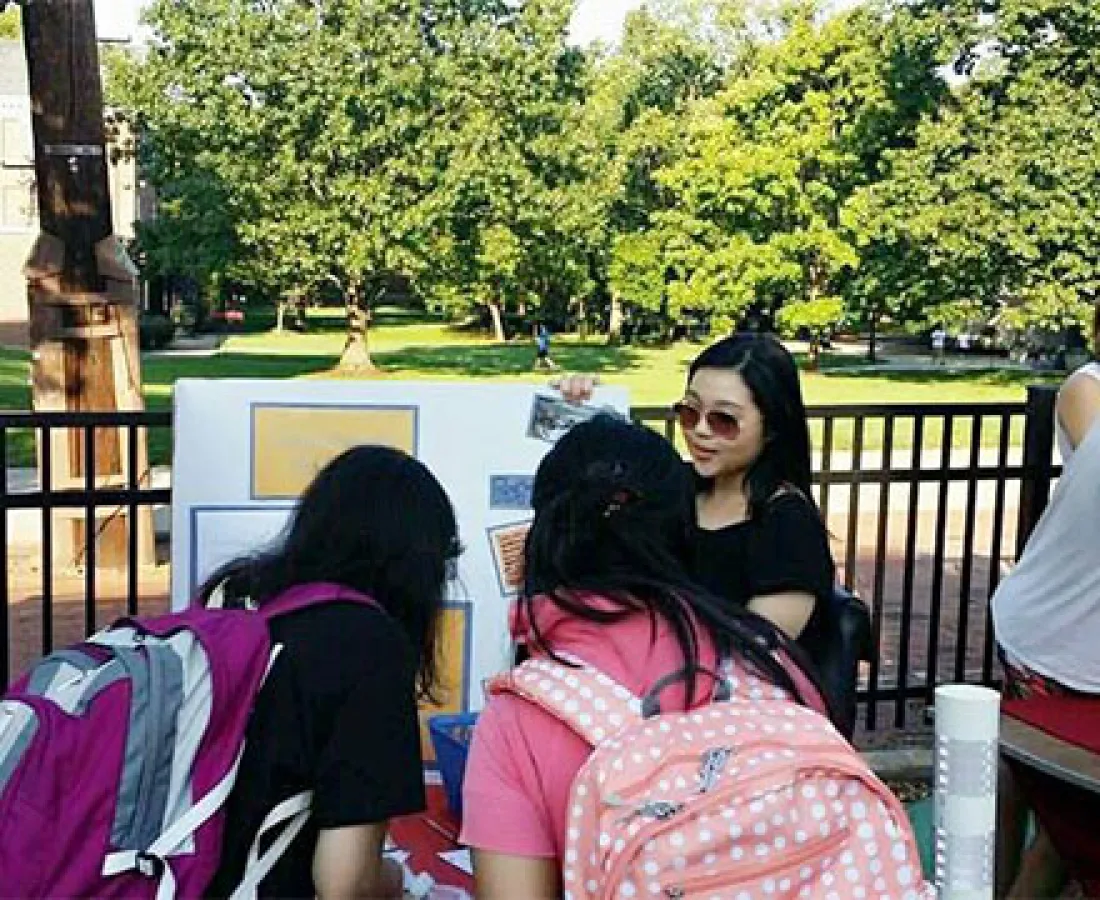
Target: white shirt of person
1046, 612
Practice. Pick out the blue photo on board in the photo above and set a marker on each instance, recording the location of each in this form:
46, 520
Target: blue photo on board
510, 491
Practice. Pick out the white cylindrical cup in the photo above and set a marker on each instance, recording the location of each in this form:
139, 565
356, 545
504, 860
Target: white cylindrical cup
968, 712
967, 729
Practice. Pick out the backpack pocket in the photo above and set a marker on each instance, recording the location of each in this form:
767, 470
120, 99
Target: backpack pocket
24, 847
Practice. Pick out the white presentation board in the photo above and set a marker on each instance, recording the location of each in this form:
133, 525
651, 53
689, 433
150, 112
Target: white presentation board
245, 449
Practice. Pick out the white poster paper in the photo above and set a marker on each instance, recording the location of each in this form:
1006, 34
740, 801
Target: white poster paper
245, 449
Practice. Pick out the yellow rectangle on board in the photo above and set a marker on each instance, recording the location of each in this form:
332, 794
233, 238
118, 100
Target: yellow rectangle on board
453, 666
291, 444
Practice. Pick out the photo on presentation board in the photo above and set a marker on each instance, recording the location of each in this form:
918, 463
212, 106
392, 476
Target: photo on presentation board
506, 543
510, 491
552, 417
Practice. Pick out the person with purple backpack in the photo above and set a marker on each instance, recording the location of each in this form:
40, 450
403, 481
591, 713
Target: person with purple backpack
258, 743
338, 715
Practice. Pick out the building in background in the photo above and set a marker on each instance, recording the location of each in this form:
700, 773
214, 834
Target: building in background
18, 203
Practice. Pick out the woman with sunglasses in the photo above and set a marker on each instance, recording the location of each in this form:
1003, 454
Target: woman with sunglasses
760, 539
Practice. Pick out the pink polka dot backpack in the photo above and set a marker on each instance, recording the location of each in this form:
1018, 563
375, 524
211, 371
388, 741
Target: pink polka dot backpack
750, 796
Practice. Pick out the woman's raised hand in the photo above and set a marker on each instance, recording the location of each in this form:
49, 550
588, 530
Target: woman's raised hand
577, 388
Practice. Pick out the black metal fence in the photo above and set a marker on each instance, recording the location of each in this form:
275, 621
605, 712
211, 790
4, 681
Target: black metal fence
61, 600
925, 504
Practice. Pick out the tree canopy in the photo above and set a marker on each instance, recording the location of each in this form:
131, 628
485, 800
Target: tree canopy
906, 160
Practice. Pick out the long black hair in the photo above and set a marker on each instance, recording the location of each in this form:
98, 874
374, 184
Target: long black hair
771, 375
375, 520
614, 516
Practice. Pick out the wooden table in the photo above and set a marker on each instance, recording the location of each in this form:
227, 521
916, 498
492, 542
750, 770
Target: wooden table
1035, 748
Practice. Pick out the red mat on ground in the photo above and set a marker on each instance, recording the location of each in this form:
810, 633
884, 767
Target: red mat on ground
1068, 813
1074, 720
426, 836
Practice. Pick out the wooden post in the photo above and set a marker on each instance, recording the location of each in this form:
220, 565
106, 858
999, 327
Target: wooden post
82, 287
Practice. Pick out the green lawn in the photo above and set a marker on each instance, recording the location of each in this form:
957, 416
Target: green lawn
407, 347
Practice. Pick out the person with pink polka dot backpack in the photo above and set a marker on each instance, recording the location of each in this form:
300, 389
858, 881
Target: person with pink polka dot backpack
654, 742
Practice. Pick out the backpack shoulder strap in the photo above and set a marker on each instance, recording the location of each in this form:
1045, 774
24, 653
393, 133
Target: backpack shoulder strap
314, 593
593, 705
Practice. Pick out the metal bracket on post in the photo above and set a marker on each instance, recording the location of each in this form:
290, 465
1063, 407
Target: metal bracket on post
94, 150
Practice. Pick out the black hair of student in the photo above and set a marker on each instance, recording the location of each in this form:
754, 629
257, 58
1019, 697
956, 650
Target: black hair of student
771, 375
615, 516
375, 520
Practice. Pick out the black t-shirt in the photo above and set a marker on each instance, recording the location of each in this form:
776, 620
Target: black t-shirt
337, 716
784, 548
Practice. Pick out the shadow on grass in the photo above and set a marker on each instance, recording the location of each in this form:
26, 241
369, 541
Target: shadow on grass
477, 360
261, 318
990, 377
829, 362
164, 371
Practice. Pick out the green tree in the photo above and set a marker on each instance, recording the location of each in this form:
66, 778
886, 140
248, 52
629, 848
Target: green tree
996, 204
770, 162
513, 235
818, 318
669, 60
309, 131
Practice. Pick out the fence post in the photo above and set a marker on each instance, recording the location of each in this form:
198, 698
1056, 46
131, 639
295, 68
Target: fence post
1038, 460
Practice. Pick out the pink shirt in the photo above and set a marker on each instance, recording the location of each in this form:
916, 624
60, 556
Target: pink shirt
523, 760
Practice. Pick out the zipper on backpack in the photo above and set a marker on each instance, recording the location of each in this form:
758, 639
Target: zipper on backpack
810, 851
714, 763
627, 854
830, 762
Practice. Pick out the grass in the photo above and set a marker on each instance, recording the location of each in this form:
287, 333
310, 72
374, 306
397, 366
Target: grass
413, 347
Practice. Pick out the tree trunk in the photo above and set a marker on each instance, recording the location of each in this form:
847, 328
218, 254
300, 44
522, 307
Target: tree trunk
815, 353
872, 343
582, 320
280, 314
356, 353
615, 323
497, 314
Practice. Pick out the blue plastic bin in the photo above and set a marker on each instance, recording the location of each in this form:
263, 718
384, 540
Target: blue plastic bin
451, 737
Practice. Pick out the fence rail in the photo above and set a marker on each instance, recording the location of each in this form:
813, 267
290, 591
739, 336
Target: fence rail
925, 505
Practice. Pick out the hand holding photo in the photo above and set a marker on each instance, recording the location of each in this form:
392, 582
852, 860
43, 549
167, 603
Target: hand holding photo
552, 417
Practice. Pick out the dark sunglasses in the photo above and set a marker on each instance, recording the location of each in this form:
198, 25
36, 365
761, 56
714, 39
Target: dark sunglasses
721, 424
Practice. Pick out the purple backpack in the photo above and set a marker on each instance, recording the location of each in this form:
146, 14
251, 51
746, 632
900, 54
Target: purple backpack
117, 755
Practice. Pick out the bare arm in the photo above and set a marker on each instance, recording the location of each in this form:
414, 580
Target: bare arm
348, 865
789, 611
1079, 406
501, 877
